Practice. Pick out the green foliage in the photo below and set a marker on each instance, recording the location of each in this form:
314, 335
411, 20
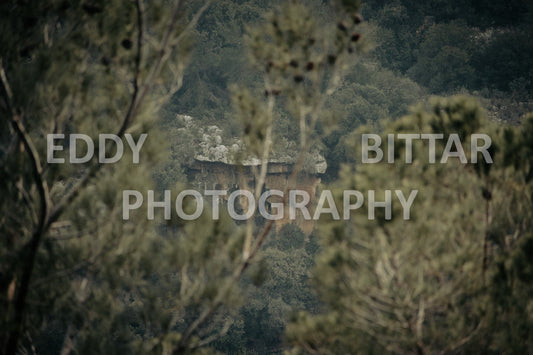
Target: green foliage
396, 39
443, 60
503, 62
219, 61
285, 263
74, 275
290, 237
434, 282
449, 45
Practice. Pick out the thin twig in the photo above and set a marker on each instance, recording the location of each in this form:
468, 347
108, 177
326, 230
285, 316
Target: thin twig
28, 202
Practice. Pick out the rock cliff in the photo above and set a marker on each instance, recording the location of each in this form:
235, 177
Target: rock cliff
219, 165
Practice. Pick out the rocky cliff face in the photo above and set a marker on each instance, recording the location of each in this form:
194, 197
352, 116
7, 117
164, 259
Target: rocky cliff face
221, 176
219, 165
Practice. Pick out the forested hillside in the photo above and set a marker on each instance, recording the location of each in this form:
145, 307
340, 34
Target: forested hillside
414, 50
266, 177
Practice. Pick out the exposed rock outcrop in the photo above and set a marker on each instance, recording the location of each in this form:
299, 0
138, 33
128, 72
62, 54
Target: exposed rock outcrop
223, 165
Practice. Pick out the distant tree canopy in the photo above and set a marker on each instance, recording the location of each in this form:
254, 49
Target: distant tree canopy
451, 45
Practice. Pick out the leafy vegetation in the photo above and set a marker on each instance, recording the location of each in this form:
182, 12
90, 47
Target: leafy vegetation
312, 76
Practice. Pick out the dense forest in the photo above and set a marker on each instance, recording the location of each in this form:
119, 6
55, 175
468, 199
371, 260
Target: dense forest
114, 111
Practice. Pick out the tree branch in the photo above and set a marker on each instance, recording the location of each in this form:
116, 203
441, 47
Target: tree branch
39, 229
128, 118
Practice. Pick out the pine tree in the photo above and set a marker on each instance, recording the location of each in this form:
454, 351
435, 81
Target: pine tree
73, 273
450, 277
